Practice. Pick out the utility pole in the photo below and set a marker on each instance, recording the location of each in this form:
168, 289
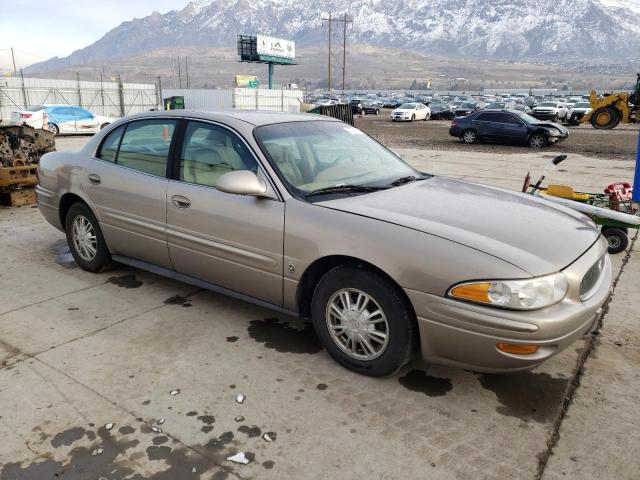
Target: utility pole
179, 73
13, 57
186, 67
345, 21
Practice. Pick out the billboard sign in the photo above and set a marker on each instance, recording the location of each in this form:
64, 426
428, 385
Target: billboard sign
276, 47
247, 81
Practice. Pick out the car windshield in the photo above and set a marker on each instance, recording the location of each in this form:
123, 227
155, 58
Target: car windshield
315, 155
408, 106
548, 104
582, 105
525, 117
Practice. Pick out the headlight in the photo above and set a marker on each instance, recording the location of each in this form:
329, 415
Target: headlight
527, 294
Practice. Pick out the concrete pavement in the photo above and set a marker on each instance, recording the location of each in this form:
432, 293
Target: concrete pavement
81, 351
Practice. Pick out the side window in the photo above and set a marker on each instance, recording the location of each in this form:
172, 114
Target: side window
145, 146
510, 119
109, 148
81, 113
210, 151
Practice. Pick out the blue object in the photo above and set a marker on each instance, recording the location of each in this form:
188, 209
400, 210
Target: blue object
61, 114
636, 178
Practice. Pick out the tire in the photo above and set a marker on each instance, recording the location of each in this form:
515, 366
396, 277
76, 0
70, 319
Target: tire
413, 117
79, 212
53, 128
469, 136
616, 238
537, 140
605, 118
396, 321
104, 125
555, 118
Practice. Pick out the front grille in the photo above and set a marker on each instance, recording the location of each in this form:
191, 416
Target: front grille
591, 279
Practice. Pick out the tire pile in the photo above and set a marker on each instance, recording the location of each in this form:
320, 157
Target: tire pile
23, 145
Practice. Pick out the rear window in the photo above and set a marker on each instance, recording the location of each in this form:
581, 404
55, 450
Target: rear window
109, 148
145, 146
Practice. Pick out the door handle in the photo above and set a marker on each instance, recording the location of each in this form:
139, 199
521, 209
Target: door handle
94, 179
179, 201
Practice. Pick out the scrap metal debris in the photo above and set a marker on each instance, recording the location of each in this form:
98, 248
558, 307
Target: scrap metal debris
161, 421
239, 418
239, 457
97, 451
174, 392
109, 426
156, 429
240, 398
21, 146
269, 436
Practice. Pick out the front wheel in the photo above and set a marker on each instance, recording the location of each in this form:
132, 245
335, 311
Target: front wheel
537, 140
85, 239
413, 117
605, 118
363, 321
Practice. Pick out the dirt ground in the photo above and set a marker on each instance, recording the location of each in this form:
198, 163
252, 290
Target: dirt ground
619, 143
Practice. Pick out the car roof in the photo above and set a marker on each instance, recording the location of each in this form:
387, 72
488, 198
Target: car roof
253, 117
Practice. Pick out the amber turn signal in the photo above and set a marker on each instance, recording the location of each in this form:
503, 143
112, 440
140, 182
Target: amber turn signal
477, 292
517, 349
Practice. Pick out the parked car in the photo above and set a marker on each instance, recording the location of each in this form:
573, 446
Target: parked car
370, 107
356, 106
521, 107
500, 106
507, 126
411, 112
309, 216
579, 110
464, 109
60, 119
392, 103
441, 111
554, 111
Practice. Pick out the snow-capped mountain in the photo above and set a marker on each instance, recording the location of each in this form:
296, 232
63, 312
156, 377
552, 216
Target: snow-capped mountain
504, 29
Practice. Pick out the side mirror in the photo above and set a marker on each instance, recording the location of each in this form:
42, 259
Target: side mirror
243, 182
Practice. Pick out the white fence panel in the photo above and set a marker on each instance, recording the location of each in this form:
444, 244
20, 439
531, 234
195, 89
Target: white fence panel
202, 99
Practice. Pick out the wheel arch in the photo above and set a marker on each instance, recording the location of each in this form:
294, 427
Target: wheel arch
66, 201
319, 267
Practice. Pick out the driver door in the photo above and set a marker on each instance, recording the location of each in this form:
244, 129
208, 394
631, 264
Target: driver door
233, 241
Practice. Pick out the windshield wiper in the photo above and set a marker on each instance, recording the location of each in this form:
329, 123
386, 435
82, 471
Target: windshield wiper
405, 180
345, 188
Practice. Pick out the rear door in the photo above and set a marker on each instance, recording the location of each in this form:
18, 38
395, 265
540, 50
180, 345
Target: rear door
64, 118
486, 125
127, 182
233, 241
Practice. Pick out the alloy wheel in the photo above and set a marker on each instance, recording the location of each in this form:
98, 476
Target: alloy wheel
357, 324
84, 238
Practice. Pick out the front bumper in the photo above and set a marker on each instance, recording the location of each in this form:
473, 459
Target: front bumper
543, 115
465, 334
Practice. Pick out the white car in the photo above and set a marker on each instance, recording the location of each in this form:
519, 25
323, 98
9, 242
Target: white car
60, 119
409, 112
579, 110
550, 110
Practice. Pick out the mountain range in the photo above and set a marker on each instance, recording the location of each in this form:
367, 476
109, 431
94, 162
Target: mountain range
524, 30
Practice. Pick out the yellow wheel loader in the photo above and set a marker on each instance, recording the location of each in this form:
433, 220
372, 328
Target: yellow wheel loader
612, 109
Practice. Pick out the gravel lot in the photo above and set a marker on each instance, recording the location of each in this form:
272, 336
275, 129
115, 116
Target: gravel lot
81, 351
434, 135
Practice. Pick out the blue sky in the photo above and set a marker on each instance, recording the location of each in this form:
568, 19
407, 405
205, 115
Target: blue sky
40, 30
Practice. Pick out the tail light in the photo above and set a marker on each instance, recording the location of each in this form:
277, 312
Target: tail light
25, 115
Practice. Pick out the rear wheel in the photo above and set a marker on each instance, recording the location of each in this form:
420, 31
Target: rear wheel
605, 118
469, 136
363, 322
53, 128
103, 125
537, 140
85, 239
617, 239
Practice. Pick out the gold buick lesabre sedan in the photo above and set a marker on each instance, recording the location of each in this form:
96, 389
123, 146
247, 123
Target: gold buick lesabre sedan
309, 216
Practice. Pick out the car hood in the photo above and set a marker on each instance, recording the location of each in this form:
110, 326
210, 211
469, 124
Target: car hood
557, 126
537, 236
403, 110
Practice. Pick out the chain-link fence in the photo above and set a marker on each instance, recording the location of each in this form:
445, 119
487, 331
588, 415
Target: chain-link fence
112, 99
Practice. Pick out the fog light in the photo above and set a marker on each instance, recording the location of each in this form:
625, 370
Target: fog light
517, 349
